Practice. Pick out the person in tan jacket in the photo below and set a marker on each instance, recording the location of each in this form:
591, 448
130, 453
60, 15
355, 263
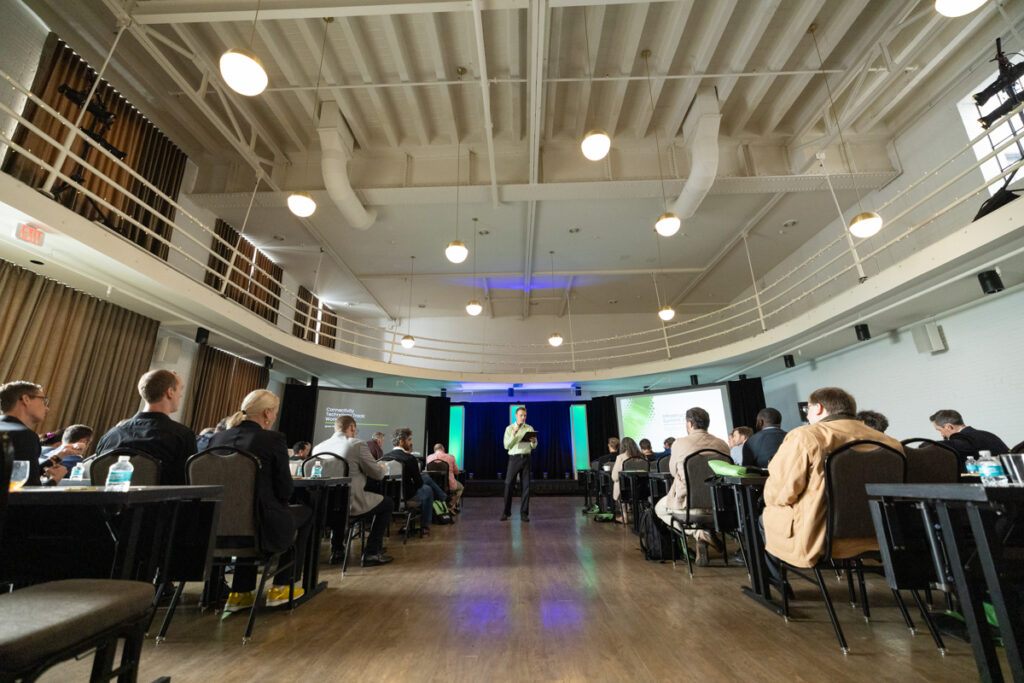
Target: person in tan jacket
794, 495
697, 438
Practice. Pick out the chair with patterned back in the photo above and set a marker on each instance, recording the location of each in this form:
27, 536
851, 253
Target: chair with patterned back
146, 468
930, 462
699, 514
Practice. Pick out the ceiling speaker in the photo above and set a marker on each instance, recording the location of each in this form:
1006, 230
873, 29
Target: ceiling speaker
928, 338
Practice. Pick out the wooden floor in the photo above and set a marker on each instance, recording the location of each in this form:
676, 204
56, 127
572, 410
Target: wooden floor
560, 598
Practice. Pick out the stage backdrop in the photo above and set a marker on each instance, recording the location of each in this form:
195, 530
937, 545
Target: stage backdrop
485, 455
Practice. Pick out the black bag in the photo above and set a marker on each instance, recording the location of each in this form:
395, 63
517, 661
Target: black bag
656, 540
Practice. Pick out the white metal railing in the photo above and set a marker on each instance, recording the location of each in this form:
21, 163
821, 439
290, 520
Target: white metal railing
769, 304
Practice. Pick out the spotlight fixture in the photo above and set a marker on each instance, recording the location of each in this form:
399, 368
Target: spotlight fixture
301, 204
986, 120
990, 281
474, 308
408, 341
511, 393
595, 145
667, 224
444, 392
578, 391
243, 71
865, 224
957, 8
694, 380
863, 333
555, 339
369, 383
666, 313
789, 361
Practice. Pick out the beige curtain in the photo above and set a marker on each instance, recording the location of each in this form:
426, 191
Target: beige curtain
88, 354
219, 383
243, 284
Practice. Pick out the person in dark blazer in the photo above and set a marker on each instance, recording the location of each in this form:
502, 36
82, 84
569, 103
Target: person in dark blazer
250, 430
967, 441
24, 407
760, 448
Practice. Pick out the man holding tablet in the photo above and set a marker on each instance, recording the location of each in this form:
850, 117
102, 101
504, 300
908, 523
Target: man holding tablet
520, 440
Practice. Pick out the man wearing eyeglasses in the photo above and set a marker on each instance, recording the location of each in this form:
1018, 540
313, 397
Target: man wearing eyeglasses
25, 404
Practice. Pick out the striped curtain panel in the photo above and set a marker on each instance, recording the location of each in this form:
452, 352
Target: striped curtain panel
255, 282
220, 381
62, 73
88, 354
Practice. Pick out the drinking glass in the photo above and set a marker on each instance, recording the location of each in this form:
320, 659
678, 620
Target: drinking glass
19, 475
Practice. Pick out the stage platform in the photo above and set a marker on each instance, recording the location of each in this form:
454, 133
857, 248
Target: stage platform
490, 488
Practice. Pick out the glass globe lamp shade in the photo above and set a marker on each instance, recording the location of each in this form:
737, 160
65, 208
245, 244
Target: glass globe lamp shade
595, 145
408, 341
667, 224
666, 313
456, 251
243, 72
474, 308
301, 204
555, 339
865, 224
957, 8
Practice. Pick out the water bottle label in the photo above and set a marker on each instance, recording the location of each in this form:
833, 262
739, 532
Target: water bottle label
119, 477
990, 469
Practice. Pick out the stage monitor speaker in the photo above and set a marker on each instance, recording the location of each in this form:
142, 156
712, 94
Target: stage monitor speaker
202, 335
928, 338
168, 350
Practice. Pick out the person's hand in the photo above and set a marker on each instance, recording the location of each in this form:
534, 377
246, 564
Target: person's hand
533, 440
56, 472
515, 427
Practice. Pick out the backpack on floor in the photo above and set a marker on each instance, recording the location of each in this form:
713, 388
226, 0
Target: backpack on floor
441, 513
655, 540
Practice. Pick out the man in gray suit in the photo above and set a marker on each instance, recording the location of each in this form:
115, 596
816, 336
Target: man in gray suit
362, 504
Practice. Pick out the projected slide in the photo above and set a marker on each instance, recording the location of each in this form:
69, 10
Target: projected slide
661, 415
372, 412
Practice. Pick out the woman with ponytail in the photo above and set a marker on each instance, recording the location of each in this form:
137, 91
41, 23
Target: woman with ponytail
249, 430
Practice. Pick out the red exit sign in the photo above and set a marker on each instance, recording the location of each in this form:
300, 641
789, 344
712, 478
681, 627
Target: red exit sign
29, 233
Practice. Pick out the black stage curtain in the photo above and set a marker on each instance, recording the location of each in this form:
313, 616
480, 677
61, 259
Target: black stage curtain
746, 398
602, 423
298, 412
485, 428
438, 418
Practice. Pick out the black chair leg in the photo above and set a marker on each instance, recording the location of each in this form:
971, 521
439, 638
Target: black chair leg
348, 548
929, 623
175, 599
849, 585
103, 661
831, 611
686, 552
863, 591
785, 592
131, 655
256, 602
903, 610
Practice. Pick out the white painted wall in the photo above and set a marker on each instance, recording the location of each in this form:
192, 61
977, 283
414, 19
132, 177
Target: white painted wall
22, 35
980, 374
183, 364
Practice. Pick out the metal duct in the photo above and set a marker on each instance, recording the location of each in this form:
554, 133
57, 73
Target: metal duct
335, 153
700, 135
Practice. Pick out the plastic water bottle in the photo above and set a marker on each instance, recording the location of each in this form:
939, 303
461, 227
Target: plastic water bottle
972, 465
991, 470
318, 470
77, 472
119, 477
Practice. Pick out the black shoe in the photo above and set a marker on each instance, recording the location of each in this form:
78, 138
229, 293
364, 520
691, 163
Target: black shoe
337, 557
504, 518
702, 553
377, 560
524, 518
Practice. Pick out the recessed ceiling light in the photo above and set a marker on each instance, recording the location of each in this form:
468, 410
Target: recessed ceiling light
573, 231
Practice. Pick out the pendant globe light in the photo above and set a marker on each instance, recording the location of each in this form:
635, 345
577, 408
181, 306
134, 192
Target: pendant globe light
957, 8
668, 223
302, 204
473, 307
456, 251
866, 223
242, 69
596, 143
555, 339
665, 312
409, 341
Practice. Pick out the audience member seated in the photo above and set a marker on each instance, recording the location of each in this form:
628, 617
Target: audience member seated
646, 450
629, 450
697, 438
74, 442
25, 404
738, 437
376, 445
300, 449
152, 430
609, 457
668, 447
363, 504
794, 494
250, 430
418, 490
48, 443
203, 438
967, 441
874, 419
454, 485
760, 448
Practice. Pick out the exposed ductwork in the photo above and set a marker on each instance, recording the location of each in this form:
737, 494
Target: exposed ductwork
335, 153
700, 135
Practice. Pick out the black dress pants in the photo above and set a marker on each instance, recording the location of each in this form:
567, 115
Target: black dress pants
381, 518
245, 575
518, 464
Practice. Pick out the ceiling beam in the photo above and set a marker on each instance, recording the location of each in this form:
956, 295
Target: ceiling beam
537, 40
663, 53
361, 56
784, 45
485, 92
397, 47
432, 30
512, 39
631, 34
756, 23
553, 71
595, 31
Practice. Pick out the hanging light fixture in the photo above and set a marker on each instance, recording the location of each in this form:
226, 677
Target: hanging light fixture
866, 223
302, 204
555, 339
408, 341
666, 312
596, 143
668, 223
957, 8
242, 69
456, 251
473, 307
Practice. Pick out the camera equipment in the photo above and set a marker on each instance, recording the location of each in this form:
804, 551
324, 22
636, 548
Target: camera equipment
1006, 81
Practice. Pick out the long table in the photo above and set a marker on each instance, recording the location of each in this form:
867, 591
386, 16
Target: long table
329, 499
977, 560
